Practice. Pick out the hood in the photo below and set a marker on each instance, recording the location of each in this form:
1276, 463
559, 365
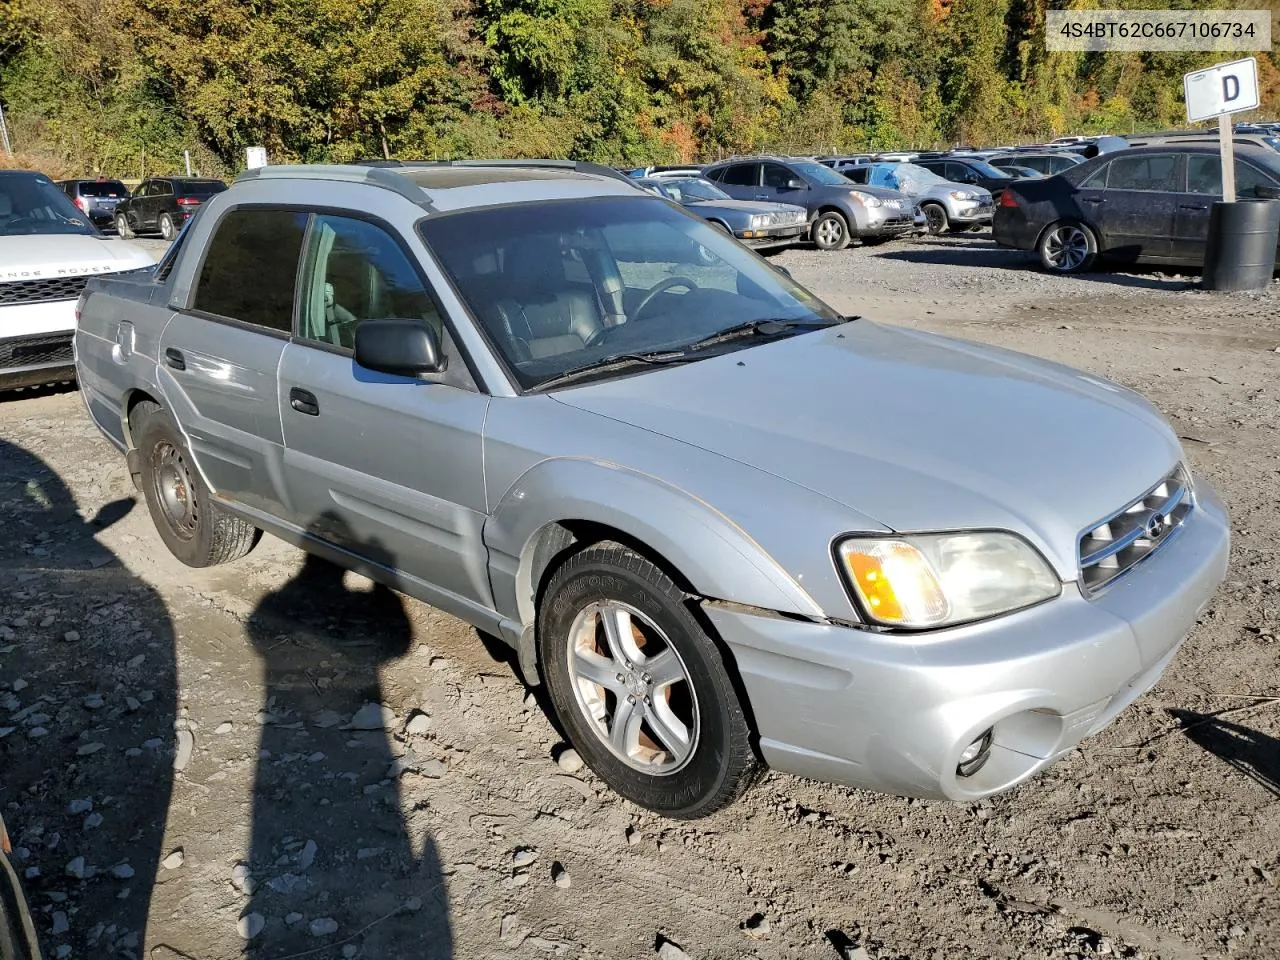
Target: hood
917, 431
747, 206
39, 256
884, 193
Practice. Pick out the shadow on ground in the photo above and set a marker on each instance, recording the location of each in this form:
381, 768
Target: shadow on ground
1251, 752
332, 855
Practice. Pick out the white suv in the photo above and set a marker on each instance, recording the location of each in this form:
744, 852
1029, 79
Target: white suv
48, 250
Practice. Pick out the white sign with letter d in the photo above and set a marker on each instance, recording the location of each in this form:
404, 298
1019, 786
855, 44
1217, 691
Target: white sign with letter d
1222, 89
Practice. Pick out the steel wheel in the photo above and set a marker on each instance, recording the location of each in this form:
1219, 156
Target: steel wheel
174, 489
632, 687
1066, 248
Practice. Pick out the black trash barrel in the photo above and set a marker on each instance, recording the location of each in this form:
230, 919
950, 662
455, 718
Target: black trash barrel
1241, 249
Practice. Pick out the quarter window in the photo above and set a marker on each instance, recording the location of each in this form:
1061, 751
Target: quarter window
1147, 172
355, 272
251, 267
742, 175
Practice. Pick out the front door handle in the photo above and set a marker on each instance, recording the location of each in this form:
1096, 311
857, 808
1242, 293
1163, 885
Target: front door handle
304, 401
175, 359
1192, 206
1094, 199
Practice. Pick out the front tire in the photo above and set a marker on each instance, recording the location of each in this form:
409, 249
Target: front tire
167, 228
936, 217
830, 231
197, 531
640, 687
1067, 248
122, 227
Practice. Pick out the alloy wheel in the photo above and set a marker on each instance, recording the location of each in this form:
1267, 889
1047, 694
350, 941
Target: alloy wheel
1066, 248
830, 232
632, 687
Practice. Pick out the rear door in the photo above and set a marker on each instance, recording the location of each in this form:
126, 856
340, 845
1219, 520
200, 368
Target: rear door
1203, 188
218, 358
1135, 211
739, 180
386, 467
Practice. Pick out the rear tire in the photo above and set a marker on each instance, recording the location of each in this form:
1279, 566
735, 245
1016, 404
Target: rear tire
167, 228
830, 231
1067, 248
197, 531
670, 736
122, 227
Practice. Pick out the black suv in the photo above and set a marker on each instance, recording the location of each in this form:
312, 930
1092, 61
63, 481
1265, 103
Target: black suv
969, 170
163, 204
96, 199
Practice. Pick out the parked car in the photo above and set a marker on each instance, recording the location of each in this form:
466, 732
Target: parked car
1148, 204
163, 204
18, 938
969, 171
680, 490
1017, 172
48, 250
96, 199
1205, 138
1047, 162
946, 205
839, 211
673, 170
758, 224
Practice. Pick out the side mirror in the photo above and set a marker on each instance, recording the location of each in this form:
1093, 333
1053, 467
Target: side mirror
784, 271
1266, 192
795, 183
406, 348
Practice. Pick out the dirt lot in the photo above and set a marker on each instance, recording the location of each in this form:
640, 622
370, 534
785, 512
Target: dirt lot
132, 687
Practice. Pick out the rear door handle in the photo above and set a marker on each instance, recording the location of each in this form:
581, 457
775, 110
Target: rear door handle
1094, 199
175, 359
1192, 206
304, 401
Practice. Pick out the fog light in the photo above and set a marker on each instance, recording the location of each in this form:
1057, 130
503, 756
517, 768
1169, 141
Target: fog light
975, 755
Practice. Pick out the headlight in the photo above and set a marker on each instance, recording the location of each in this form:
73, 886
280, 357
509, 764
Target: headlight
963, 195
932, 580
864, 198
759, 221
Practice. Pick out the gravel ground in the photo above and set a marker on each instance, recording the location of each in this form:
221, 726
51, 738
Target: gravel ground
276, 760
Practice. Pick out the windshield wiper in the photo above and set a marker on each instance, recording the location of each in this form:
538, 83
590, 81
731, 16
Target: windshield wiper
766, 328
619, 361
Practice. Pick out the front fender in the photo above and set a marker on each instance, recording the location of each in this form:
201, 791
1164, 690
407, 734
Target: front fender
714, 554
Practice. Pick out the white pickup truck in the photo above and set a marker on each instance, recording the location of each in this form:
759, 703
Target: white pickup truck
48, 252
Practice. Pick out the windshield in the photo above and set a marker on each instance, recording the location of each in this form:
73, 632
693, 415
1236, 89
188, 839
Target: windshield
917, 173
819, 174
563, 284
690, 188
985, 169
30, 203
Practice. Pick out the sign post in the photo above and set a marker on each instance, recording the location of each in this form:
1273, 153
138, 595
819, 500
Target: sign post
1221, 91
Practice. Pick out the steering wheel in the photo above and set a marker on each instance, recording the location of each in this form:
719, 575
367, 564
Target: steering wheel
661, 287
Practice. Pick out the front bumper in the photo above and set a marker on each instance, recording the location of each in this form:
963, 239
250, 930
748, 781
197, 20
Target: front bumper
884, 222
774, 236
35, 360
893, 713
971, 212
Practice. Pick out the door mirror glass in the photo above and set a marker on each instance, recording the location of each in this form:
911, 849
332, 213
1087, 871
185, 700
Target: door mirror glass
406, 348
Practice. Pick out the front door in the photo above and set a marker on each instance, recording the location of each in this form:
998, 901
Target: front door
385, 467
775, 185
1136, 210
740, 180
218, 359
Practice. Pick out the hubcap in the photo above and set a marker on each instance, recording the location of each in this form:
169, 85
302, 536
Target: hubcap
632, 687
1066, 248
174, 490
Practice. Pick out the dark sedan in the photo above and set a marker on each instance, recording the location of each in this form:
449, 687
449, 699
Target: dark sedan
756, 223
1149, 205
163, 204
972, 171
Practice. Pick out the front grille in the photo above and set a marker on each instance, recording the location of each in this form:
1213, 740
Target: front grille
1113, 547
44, 290
44, 349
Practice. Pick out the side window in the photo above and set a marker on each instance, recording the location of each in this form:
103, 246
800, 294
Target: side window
959, 173
777, 176
1058, 164
251, 267
1098, 179
857, 174
356, 271
1249, 179
741, 175
162, 188
1146, 172
1204, 174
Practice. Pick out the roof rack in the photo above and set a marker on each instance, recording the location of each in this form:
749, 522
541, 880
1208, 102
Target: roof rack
577, 166
352, 173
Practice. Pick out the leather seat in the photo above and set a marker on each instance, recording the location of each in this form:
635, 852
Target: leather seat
536, 311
